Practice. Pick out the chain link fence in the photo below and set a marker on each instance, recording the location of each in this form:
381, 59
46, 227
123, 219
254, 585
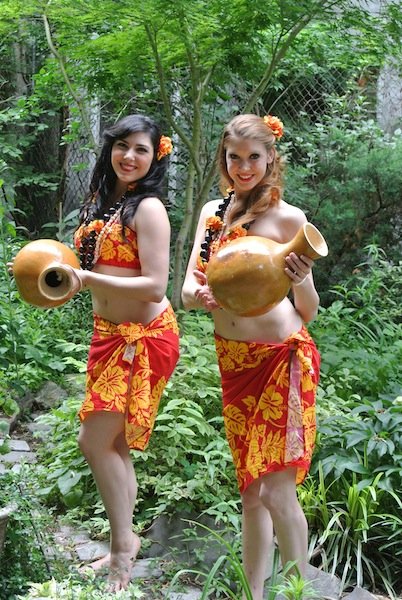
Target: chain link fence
305, 100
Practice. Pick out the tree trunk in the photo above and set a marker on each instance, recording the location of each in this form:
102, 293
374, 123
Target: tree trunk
180, 256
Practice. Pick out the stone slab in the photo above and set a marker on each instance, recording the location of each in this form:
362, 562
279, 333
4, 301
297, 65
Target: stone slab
50, 396
19, 445
146, 568
189, 594
38, 430
359, 594
79, 537
89, 551
17, 457
325, 585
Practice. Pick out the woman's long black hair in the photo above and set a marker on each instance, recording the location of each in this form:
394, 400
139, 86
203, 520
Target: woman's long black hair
103, 179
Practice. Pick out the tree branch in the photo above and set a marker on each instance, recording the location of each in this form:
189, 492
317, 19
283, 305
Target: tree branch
68, 83
166, 102
280, 54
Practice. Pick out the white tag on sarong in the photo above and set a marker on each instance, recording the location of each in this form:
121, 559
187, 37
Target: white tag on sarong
129, 352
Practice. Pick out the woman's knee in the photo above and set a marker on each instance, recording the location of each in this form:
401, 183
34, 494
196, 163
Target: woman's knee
99, 432
251, 497
278, 493
90, 440
84, 442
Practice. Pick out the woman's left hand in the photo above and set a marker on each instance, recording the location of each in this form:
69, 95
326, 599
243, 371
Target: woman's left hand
298, 267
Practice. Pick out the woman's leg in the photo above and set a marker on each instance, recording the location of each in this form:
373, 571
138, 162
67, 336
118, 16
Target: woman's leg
278, 494
123, 450
99, 438
257, 538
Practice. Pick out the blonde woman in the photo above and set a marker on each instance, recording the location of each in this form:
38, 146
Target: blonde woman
269, 364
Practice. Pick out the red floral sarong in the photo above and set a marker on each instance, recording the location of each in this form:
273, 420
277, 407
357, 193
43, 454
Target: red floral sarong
269, 404
128, 367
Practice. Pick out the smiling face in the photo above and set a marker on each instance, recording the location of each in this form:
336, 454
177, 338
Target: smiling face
246, 162
131, 158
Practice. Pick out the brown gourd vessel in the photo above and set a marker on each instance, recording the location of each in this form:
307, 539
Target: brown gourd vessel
42, 274
247, 275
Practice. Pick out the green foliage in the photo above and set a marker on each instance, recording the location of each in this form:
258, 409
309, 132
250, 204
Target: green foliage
226, 578
359, 336
353, 534
368, 442
352, 498
196, 64
27, 188
66, 477
36, 345
294, 587
355, 478
28, 535
360, 333
346, 177
63, 229
215, 579
188, 465
70, 589
348, 181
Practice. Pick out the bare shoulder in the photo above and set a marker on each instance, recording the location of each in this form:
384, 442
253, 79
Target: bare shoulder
150, 209
290, 216
150, 205
210, 208
280, 222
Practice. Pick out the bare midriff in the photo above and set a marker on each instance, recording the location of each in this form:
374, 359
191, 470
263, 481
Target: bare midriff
116, 307
272, 327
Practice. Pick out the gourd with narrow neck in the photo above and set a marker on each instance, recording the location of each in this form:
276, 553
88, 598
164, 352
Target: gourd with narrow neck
247, 275
41, 272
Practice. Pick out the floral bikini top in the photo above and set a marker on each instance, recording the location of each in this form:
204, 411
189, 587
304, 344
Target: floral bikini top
104, 244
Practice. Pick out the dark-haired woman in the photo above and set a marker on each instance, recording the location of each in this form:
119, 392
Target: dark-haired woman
123, 240
269, 364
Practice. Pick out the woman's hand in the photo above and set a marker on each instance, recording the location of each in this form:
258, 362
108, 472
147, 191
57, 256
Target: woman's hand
77, 277
203, 294
298, 267
10, 266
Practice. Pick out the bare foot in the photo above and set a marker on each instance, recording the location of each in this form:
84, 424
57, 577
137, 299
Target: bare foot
96, 565
100, 562
121, 566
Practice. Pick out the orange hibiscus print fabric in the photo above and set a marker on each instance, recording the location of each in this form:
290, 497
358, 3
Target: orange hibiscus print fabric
128, 367
116, 249
269, 404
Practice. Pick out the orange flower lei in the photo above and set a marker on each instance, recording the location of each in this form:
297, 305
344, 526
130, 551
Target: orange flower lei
165, 147
232, 234
275, 125
213, 240
96, 225
215, 223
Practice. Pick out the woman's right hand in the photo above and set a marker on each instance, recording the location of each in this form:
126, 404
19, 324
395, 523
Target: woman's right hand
76, 278
10, 266
204, 294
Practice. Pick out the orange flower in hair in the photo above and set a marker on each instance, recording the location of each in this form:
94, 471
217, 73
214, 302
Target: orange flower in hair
165, 147
275, 125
